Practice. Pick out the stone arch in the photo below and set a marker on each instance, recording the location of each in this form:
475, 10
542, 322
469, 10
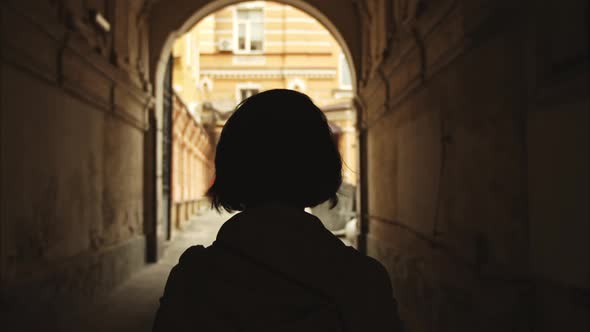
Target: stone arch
170, 19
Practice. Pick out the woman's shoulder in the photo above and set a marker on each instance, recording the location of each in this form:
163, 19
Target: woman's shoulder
191, 260
367, 267
192, 253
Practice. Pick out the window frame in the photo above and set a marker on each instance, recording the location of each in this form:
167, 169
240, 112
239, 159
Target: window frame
248, 32
246, 86
342, 61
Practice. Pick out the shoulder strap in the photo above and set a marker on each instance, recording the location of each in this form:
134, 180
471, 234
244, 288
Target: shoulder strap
314, 290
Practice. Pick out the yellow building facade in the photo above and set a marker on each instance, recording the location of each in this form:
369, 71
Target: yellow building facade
254, 46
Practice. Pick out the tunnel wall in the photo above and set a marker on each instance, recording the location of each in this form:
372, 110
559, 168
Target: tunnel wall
476, 121
72, 132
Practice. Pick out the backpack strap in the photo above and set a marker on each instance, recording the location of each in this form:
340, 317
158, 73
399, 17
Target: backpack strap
222, 246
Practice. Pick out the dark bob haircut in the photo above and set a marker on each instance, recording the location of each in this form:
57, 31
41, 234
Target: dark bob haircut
276, 147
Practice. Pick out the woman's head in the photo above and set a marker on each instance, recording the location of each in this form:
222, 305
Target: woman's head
276, 147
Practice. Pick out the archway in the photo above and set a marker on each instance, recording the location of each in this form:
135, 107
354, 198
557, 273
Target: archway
176, 18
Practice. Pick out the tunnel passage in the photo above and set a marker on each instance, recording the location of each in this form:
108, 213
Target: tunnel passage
236, 52
473, 151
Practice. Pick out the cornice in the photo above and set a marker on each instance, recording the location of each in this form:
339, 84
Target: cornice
268, 73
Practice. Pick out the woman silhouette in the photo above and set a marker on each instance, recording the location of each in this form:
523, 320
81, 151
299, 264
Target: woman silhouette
274, 267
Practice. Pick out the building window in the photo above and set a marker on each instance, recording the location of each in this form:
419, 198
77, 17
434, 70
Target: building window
246, 90
249, 30
345, 79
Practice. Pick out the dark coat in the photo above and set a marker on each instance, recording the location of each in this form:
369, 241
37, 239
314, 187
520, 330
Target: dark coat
277, 269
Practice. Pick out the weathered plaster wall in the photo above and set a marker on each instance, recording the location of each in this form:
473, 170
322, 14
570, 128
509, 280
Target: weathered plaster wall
73, 122
557, 164
477, 162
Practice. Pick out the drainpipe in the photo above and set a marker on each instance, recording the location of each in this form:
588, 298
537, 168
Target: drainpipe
362, 192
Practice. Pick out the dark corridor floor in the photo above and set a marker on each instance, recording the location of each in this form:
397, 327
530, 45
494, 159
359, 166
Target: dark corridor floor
131, 307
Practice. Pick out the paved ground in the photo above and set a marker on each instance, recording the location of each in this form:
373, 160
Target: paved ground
131, 307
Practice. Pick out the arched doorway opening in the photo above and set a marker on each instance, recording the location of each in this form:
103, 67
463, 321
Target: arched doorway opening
162, 44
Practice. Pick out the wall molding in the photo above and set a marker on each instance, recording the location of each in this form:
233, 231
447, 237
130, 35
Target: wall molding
269, 32
65, 60
268, 73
